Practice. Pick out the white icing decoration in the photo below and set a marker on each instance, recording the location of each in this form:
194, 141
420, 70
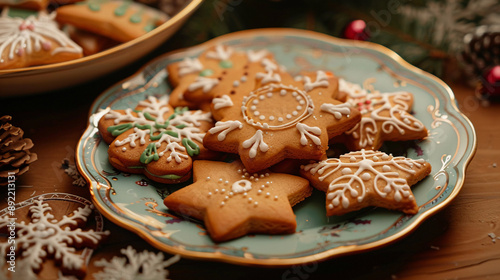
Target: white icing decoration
321, 81
268, 77
157, 108
222, 102
269, 65
346, 171
254, 98
45, 235
224, 128
189, 66
30, 35
255, 142
206, 84
377, 107
254, 56
220, 53
336, 110
310, 132
384, 182
143, 265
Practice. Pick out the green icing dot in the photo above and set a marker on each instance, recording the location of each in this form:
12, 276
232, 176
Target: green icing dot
149, 27
226, 64
94, 7
206, 72
121, 10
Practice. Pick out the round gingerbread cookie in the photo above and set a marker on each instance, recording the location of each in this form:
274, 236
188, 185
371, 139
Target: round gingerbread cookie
282, 118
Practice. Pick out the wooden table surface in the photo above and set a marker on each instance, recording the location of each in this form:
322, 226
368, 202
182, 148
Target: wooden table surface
453, 244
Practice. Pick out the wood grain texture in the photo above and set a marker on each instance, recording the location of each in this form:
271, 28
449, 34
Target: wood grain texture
453, 244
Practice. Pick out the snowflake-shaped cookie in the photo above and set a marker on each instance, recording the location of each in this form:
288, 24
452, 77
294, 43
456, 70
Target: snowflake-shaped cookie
45, 236
156, 139
233, 202
140, 266
385, 117
33, 41
221, 70
282, 118
367, 178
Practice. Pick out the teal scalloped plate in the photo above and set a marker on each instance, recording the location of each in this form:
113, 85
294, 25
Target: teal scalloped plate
135, 203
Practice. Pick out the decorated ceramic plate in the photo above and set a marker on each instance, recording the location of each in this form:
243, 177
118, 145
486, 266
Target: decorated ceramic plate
44, 78
136, 203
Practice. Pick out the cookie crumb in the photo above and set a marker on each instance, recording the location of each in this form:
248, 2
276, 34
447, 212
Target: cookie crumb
493, 237
435, 248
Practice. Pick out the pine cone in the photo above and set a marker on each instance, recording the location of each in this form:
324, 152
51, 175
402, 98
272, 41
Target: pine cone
481, 50
15, 155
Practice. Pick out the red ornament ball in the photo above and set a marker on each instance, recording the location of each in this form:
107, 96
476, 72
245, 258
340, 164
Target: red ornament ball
356, 30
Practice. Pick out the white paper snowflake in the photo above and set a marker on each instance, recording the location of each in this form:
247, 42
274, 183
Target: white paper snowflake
46, 236
140, 266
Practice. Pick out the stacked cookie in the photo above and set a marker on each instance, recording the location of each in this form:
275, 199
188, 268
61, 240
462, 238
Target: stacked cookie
32, 34
243, 103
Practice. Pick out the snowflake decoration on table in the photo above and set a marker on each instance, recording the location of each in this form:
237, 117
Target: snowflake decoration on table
367, 178
26, 37
155, 134
45, 236
70, 169
140, 266
303, 111
385, 117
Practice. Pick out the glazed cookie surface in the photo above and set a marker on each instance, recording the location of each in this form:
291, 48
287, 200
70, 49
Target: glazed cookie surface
35, 40
281, 118
233, 202
385, 117
367, 178
155, 139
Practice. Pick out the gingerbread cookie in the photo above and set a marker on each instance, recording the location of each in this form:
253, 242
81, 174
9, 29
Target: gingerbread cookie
90, 43
37, 5
156, 139
220, 70
385, 117
282, 118
35, 40
367, 178
119, 20
233, 202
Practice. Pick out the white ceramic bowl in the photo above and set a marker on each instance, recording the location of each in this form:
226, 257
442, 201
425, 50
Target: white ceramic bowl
38, 79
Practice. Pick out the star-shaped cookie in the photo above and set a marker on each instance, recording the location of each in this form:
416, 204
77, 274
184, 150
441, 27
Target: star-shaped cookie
220, 70
156, 139
233, 202
385, 117
282, 118
367, 178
